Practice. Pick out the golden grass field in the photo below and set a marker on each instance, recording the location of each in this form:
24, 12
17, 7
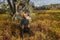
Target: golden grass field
46, 11
45, 26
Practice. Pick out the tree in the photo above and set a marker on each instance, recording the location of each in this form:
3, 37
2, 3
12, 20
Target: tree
14, 5
3, 7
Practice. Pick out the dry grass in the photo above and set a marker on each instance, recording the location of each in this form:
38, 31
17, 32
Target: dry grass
46, 11
45, 26
42, 29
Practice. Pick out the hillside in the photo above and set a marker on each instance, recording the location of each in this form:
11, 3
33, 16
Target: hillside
48, 7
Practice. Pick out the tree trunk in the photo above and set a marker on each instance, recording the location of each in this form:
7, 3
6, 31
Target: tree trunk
11, 7
14, 5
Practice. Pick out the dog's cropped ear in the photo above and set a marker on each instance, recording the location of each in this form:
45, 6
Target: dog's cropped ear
28, 0
15, 0
22, 4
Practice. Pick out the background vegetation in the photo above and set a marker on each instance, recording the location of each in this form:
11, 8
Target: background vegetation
48, 7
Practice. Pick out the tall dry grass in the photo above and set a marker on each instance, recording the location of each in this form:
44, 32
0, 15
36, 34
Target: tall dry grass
45, 26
